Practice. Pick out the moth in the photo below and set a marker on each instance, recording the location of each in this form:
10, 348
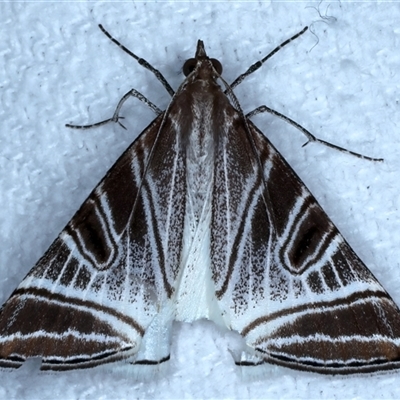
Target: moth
201, 217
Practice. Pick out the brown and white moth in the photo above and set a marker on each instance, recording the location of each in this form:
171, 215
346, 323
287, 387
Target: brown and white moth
201, 217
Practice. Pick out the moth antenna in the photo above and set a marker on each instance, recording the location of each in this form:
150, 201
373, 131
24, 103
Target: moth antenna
141, 61
259, 63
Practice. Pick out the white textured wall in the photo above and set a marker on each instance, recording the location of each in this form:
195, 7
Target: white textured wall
57, 67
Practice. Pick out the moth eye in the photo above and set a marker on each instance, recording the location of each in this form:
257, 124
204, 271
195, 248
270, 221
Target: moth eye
189, 66
217, 65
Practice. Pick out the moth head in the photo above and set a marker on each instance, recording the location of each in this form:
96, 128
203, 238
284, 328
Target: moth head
191, 63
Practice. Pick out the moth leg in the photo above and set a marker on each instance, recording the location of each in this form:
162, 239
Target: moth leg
308, 134
116, 117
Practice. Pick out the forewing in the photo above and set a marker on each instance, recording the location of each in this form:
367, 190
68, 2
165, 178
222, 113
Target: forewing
108, 276
285, 277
